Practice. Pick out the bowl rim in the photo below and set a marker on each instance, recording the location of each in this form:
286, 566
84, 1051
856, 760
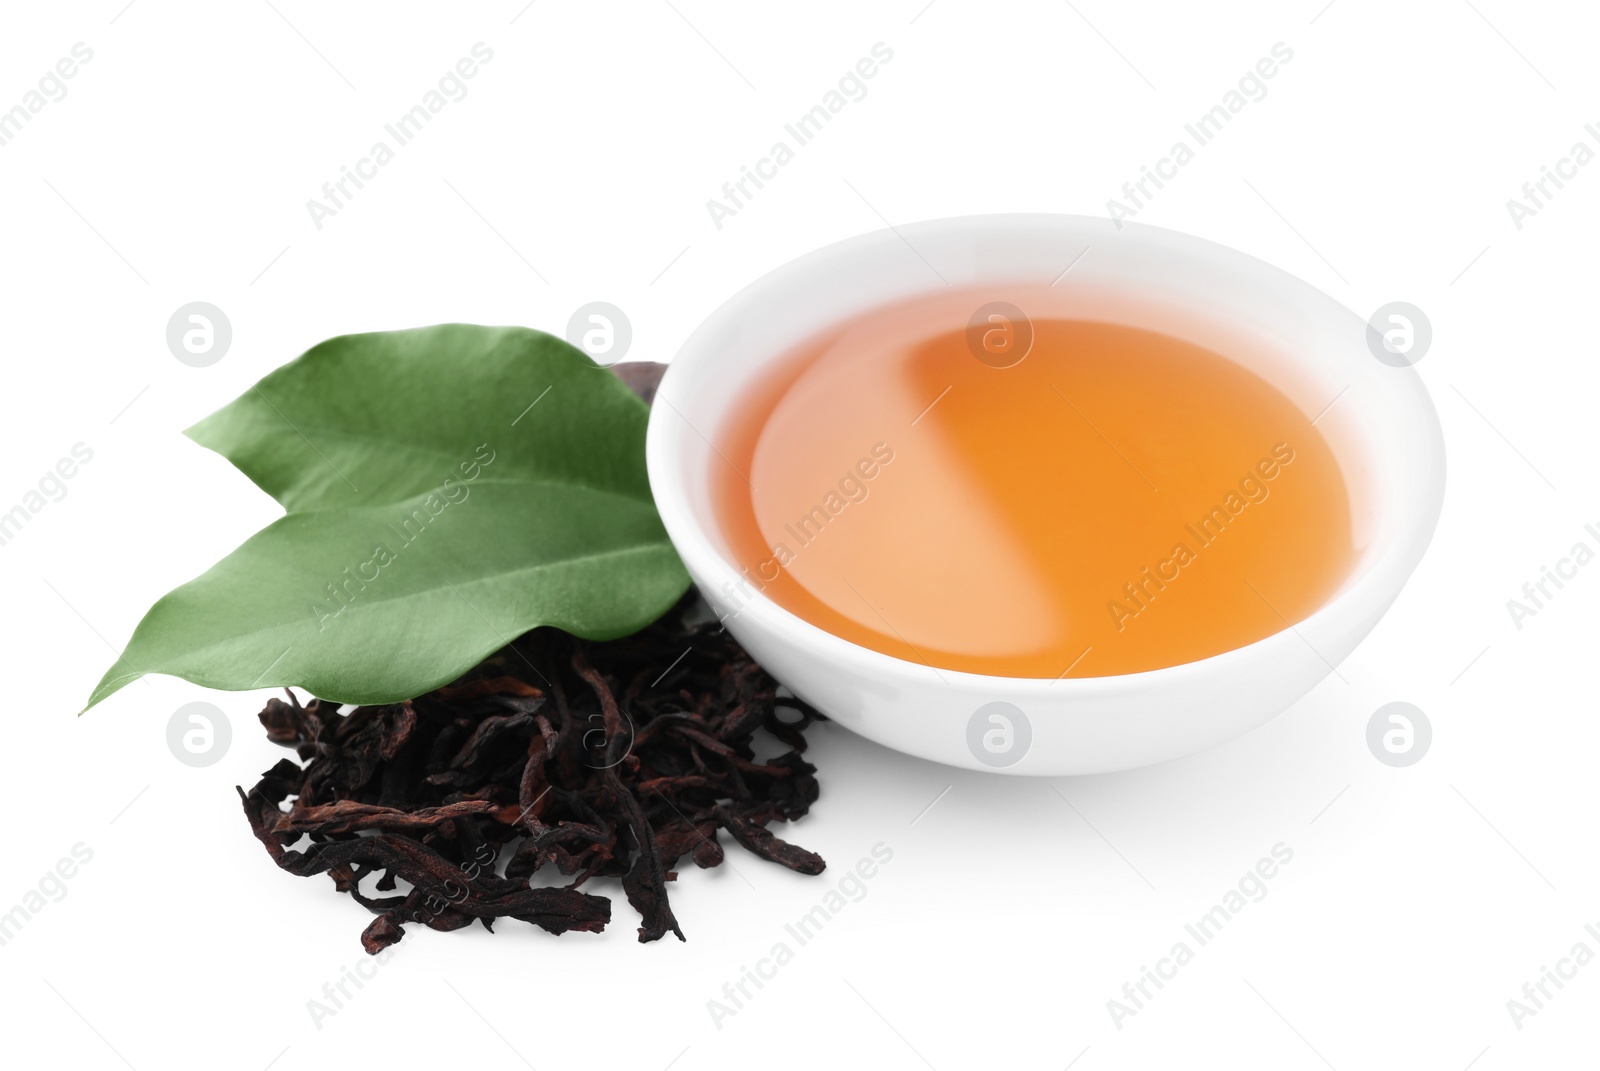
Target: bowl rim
1367, 595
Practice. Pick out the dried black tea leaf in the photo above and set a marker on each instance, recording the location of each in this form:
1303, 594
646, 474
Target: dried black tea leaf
556, 756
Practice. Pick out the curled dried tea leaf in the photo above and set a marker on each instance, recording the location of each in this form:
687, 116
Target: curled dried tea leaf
557, 755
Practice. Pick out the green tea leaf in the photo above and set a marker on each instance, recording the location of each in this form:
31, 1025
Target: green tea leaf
449, 488
373, 604
380, 417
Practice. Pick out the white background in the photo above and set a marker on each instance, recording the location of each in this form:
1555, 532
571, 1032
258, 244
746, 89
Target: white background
1419, 900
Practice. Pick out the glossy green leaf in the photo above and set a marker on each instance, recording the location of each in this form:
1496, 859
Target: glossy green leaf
380, 417
449, 489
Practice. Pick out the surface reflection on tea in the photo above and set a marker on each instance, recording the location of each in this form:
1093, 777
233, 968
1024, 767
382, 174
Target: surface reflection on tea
1029, 498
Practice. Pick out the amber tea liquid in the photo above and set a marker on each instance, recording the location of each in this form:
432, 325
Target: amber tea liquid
1115, 501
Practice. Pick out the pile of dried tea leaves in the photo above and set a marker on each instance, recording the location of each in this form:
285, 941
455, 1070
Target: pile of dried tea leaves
593, 759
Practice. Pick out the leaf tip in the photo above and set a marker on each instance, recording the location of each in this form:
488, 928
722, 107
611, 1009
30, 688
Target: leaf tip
109, 685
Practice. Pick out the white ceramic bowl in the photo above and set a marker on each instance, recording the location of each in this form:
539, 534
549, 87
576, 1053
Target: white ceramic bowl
1381, 425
